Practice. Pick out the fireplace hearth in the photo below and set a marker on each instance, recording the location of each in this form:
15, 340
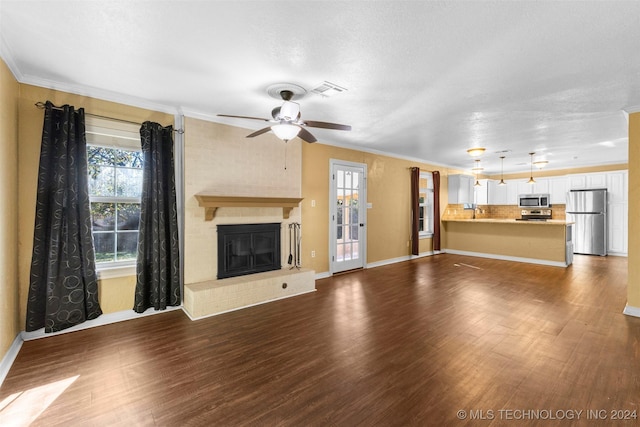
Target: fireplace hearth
248, 248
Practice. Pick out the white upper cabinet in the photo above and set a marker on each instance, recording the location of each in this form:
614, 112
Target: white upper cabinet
541, 186
512, 191
558, 190
596, 180
577, 182
497, 193
617, 186
585, 181
482, 192
460, 189
523, 187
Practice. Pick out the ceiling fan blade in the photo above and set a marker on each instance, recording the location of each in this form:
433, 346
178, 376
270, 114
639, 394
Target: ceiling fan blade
326, 125
243, 117
259, 132
305, 135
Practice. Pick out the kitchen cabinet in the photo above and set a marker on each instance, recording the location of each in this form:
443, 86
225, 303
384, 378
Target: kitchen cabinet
585, 181
596, 180
481, 192
541, 186
460, 189
577, 182
497, 193
617, 228
558, 190
617, 186
524, 187
512, 191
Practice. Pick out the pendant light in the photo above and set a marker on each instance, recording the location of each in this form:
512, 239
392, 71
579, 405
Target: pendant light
475, 170
502, 171
531, 180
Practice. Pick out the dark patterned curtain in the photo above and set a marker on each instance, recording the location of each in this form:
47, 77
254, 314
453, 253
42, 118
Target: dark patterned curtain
436, 210
158, 263
63, 289
415, 211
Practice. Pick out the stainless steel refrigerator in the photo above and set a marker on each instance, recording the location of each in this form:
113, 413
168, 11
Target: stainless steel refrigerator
588, 209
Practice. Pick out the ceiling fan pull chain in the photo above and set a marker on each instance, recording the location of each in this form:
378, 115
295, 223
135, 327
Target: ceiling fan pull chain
285, 154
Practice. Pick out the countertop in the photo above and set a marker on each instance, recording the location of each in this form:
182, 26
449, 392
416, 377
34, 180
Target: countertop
510, 221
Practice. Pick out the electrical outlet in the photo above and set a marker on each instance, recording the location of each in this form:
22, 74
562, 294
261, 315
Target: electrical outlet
313, 254
313, 203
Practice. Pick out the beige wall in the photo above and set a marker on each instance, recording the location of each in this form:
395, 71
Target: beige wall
388, 190
220, 160
30, 134
633, 279
9, 320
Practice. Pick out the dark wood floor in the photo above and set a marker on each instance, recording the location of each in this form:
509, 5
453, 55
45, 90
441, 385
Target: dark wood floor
412, 343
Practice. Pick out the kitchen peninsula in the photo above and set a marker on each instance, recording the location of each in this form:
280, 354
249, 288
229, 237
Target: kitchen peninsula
539, 242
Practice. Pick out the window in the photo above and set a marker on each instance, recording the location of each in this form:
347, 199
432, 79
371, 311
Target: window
425, 200
114, 159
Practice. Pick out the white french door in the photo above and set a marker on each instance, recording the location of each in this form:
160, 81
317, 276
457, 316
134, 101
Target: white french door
348, 209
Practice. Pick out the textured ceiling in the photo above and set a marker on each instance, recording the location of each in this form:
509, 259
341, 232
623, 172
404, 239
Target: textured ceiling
425, 80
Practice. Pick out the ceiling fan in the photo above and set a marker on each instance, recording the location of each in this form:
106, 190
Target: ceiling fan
287, 123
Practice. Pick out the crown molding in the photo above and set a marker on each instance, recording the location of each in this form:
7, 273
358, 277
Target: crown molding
93, 92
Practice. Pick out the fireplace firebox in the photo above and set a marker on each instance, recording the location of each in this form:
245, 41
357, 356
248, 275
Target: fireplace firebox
248, 248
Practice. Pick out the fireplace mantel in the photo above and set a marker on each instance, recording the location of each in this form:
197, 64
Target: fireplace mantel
211, 203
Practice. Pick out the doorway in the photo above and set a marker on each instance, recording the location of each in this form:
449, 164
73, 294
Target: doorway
348, 209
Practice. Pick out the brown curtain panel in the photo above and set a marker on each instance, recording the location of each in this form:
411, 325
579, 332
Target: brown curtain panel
415, 211
436, 210
158, 261
63, 288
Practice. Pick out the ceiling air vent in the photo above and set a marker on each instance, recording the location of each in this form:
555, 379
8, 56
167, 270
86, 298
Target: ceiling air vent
328, 89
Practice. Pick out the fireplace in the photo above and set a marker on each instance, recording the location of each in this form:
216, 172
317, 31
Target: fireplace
248, 248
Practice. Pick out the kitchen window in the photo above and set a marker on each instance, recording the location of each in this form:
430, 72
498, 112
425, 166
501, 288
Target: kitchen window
114, 165
425, 201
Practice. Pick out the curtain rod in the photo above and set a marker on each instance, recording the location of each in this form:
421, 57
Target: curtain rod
41, 106
421, 170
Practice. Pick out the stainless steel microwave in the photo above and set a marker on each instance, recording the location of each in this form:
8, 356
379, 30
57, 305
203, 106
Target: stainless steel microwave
534, 201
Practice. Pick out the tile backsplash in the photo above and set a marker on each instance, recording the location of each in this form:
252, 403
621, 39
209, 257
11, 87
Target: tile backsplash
453, 211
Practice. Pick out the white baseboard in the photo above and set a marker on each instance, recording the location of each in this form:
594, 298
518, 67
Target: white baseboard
388, 261
507, 258
105, 319
630, 310
622, 254
10, 357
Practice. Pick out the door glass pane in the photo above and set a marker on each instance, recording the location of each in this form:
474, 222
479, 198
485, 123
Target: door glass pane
347, 180
347, 251
340, 179
356, 179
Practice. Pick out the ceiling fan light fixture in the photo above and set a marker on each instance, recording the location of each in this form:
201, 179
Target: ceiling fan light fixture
285, 131
289, 111
476, 151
